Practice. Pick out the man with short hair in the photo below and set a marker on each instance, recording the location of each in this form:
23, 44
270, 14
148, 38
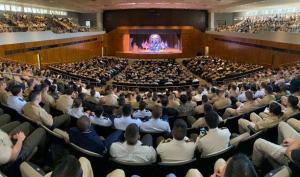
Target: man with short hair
156, 124
16, 101
185, 109
267, 99
65, 101
126, 119
216, 139
86, 137
110, 99
222, 102
99, 119
166, 110
142, 112
133, 150
178, 149
92, 98
36, 113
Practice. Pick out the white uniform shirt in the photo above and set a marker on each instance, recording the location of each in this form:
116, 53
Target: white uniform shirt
172, 150
216, 140
136, 154
142, 114
102, 121
155, 125
76, 112
123, 122
5, 148
259, 93
16, 102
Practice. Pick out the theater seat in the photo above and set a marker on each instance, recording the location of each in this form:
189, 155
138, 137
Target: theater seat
12, 112
206, 164
141, 169
2, 175
179, 168
246, 145
30, 170
283, 171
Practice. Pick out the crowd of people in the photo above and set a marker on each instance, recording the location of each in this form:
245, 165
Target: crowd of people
15, 22
163, 72
134, 117
255, 24
99, 69
215, 69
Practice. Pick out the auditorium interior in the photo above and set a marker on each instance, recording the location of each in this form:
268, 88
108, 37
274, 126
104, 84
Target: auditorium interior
139, 88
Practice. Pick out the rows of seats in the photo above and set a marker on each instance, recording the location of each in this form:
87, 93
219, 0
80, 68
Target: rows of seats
272, 23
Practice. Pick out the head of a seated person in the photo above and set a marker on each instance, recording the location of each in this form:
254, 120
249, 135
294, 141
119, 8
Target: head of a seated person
44, 87
121, 100
239, 165
204, 99
68, 167
31, 83
292, 102
93, 92
77, 103
221, 92
207, 108
35, 97
156, 112
17, 90
83, 123
263, 85
3, 84
275, 108
249, 95
179, 129
126, 110
183, 99
98, 110
142, 105
269, 90
132, 134
164, 101
212, 120
69, 91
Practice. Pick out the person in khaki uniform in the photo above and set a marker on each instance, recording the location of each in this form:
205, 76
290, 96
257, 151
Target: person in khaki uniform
173, 102
3, 93
110, 99
291, 107
246, 107
267, 99
259, 123
200, 108
47, 99
276, 154
295, 123
65, 102
31, 84
36, 113
222, 102
92, 98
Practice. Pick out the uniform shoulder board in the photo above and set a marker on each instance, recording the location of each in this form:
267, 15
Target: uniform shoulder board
21, 99
167, 140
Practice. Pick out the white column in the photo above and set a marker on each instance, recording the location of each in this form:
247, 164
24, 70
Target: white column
99, 19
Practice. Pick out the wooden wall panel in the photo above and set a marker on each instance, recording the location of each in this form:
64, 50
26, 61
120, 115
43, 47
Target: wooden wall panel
54, 51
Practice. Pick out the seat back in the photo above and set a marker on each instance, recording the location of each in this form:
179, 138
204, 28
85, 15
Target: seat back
140, 169
24, 118
30, 170
246, 145
51, 132
271, 134
3, 175
55, 112
279, 172
206, 164
84, 152
12, 112
232, 124
177, 168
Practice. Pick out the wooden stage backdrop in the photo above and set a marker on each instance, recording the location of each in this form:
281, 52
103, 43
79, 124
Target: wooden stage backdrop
116, 42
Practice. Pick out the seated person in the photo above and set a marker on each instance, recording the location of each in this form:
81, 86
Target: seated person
3, 93
92, 98
36, 113
243, 108
166, 110
221, 102
99, 119
200, 108
237, 166
142, 112
126, 119
277, 154
65, 101
291, 107
16, 100
86, 137
25, 141
178, 149
185, 109
259, 123
132, 150
156, 124
77, 109
267, 99
216, 139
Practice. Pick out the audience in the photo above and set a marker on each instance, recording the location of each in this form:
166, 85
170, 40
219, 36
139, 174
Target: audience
126, 119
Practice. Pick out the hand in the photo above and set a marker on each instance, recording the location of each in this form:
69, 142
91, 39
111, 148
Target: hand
20, 136
288, 141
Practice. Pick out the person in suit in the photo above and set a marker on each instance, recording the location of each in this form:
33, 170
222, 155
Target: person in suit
243, 108
216, 139
133, 150
179, 148
259, 123
86, 137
